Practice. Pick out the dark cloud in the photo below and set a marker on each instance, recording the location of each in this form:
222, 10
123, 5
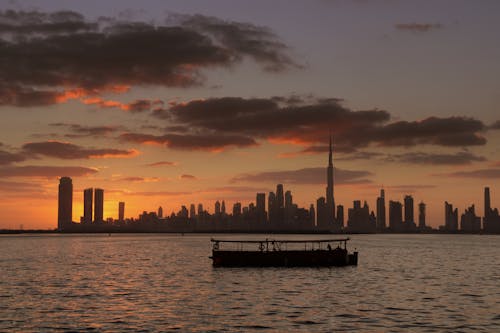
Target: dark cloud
9, 158
50, 57
87, 131
187, 177
460, 158
259, 43
312, 123
66, 150
480, 174
45, 171
211, 142
418, 27
162, 163
306, 176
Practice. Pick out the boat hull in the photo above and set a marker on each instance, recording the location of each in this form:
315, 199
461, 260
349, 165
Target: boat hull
314, 258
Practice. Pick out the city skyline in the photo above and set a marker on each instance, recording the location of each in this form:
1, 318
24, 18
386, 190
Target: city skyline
282, 214
166, 103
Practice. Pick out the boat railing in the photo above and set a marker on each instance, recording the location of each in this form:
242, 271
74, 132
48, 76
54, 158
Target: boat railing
278, 244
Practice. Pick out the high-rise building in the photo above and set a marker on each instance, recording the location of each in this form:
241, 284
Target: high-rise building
260, 202
409, 210
192, 211
121, 211
280, 200
87, 205
217, 207
330, 199
421, 216
223, 207
339, 218
395, 216
487, 202
160, 212
321, 214
272, 208
65, 203
469, 222
237, 209
450, 217
200, 209
98, 205
491, 220
381, 218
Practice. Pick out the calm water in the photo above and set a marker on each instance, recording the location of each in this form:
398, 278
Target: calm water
153, 283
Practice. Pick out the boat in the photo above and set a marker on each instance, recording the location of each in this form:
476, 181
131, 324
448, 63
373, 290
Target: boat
282, 253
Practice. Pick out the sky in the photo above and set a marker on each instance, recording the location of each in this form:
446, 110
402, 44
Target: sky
168, 103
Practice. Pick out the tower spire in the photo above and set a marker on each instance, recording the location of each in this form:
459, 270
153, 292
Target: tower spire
330, 159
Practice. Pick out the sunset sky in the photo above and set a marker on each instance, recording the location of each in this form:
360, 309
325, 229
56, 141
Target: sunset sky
168, 103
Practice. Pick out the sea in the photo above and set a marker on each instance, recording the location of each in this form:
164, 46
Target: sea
166, 283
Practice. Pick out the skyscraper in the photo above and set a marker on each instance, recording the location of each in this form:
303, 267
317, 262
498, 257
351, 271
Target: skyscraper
260, 201
87, 205
121, 211
217, 207
421, 216
381, 217
65, 203
450, 217
395, 216
192, 211
223, 207
330, 201
98, 205
487, 202
280, 199
409, 210
160, 212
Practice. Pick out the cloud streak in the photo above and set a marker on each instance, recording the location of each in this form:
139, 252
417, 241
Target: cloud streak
45, 171
314, 176
68, 151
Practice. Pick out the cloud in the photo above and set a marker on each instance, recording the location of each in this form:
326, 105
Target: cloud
460, 158
418, 27
409, 188
187, 177
135, 179
310, 123
49, 58
45, 171
162, 163
259, 43
87, 131
65, 150
306, 176
210, 142
493, 173
9, 158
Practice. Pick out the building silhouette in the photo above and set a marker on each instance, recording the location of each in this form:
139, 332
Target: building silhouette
98, 205
469, 221
395, 216
381, 218
359, 218
421, 216
121, 211
65, 203
160, 212
450, 218
87, 205
330, 199
491, 219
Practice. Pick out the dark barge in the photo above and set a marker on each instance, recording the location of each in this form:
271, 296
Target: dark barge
282, 253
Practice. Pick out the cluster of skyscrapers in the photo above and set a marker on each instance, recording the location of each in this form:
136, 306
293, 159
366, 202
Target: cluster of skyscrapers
282, 214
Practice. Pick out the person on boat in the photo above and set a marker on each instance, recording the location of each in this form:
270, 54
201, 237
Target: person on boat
329, 247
